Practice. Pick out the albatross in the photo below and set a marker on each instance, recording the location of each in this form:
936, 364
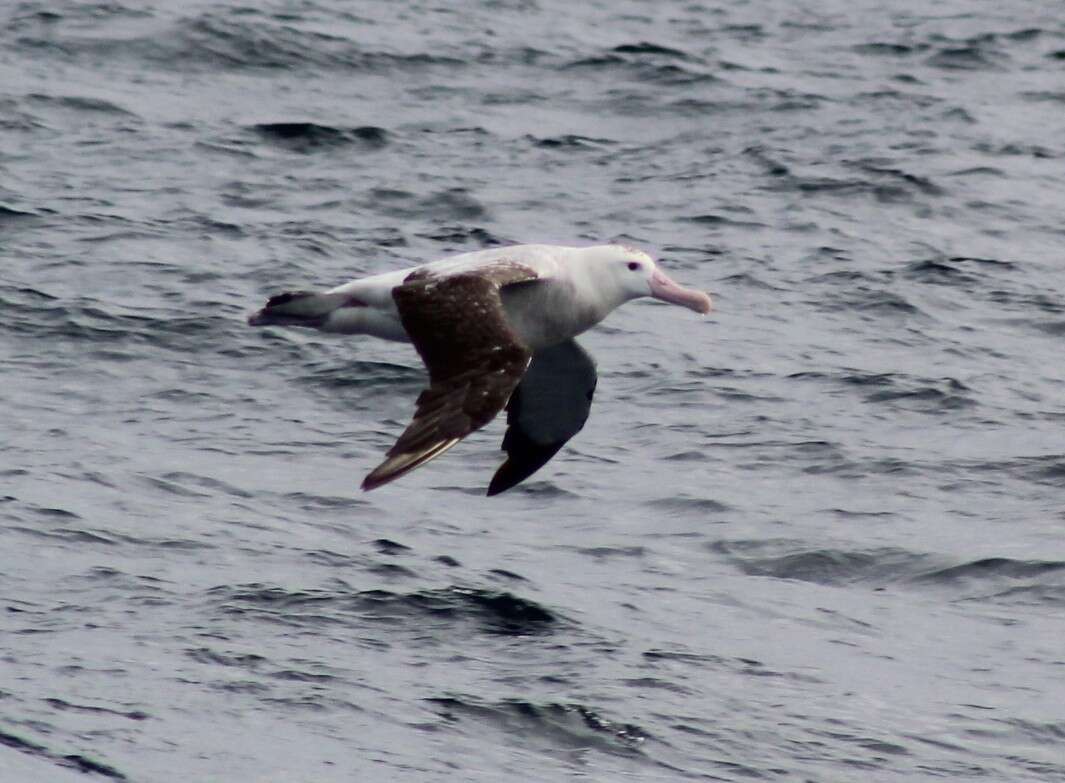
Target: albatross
495, 330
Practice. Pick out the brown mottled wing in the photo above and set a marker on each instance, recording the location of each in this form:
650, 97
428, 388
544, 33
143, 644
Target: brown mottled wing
474, 359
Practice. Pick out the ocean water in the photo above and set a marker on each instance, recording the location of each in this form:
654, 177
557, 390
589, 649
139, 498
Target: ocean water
815, 536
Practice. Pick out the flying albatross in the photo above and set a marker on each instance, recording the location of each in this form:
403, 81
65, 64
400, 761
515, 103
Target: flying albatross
495, 329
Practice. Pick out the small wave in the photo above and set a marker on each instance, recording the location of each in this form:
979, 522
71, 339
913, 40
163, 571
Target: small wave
966, 58
475, 235
495, 612
308, 137
873, 301
992, 568
1047, 469
12, 215
717, 221
569, 142
882, 48
688, 506
80, 103
643, 67
453, 204
558, 725
645, 47
821, 566
220, 41
89, 709
992, 579
76, 761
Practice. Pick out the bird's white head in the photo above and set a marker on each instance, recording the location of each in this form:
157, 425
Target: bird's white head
631, 273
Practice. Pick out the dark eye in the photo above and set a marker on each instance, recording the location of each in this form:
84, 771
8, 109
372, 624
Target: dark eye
633, 266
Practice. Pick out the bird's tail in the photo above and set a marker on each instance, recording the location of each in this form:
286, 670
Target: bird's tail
298, 308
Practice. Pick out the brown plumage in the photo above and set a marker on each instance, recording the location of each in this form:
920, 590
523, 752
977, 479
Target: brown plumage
475, 361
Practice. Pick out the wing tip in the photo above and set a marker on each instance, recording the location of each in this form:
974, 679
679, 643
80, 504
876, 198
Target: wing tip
398, 465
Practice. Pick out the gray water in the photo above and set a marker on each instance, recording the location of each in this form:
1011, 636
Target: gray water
816, 536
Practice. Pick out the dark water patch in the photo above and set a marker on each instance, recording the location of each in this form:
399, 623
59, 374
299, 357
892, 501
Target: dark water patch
317, 503
561, 726
976, 56
88, 765
683, 505
995, 263
87, 709
74, 761
763, 158
79, 103
775, 99
1050, 596
1000, 580
330, 559
947, 394
492, 611
1044, 96
475, 235
451, 205
979, 171
1046, 469
391, 571
916, 182
611, 552
660, 659
248, 661
955, 271
363, 375
781, 560
863, 468
11, 215
135, 589
833, 186
644, 69
648, 48
387, 546
656, 684
504, 575
1025, 302
717, 221
1013, 149
193, 485
992, 568
55, 513
748, 280
89, 323
880, 48
172, 487
985, 580
216, 41
70, 535
296, 675
1055, 328
570, 142
308, 137
886, 184
875, 302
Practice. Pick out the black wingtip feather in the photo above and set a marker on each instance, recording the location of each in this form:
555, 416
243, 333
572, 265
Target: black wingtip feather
525, 458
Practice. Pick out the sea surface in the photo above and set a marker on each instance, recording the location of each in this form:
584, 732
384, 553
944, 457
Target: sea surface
814, 536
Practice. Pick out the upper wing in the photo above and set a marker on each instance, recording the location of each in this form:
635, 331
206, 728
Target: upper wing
474, 359
548, 408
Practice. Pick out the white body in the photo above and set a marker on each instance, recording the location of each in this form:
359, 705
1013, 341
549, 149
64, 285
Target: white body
577, 288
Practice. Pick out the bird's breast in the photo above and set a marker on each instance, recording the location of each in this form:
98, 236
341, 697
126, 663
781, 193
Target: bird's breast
545, 313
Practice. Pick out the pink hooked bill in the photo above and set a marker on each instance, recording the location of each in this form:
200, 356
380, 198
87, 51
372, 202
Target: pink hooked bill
665, 288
